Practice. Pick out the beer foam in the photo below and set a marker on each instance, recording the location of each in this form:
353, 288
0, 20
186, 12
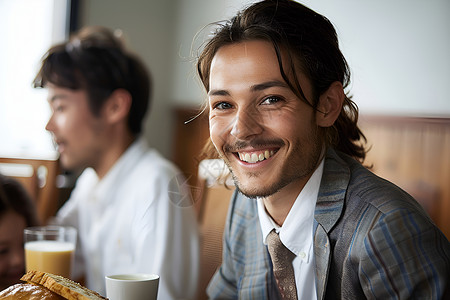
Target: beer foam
49, 246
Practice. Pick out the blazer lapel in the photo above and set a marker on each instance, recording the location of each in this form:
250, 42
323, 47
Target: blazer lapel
330, 203
323, 259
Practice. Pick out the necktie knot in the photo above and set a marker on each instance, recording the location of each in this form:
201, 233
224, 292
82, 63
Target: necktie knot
283, 271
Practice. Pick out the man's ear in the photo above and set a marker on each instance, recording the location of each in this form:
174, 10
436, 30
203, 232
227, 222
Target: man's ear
117, 107
330, 105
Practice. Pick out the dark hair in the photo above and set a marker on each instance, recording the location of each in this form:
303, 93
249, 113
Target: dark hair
95, 60
13, 196
311, 44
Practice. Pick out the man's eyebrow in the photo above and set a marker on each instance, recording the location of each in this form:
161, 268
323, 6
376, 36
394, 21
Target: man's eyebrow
268, 84
253, 88
56, 97
218, 93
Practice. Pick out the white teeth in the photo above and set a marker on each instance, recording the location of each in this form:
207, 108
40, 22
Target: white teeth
254, 158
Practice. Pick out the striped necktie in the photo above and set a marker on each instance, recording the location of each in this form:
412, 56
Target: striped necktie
282, 266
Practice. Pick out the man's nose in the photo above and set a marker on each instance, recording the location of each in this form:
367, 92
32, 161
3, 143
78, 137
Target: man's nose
49, 126
246, 124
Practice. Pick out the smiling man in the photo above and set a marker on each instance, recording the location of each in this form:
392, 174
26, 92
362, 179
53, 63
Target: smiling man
308, 220
123, 203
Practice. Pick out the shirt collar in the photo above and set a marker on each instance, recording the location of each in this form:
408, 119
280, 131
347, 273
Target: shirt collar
107, 185
296, 232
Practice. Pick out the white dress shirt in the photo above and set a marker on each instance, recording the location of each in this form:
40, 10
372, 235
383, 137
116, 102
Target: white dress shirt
130, 222
297, 234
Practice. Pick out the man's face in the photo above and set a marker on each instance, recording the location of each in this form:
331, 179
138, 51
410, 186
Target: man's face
267, 135
77, 132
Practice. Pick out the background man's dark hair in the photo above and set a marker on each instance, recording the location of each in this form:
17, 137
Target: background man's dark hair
96, 61
311, 44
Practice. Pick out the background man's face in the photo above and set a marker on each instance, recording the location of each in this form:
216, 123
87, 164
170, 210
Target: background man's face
76, 131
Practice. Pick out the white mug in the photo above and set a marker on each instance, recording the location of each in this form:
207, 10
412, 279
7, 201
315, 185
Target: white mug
132, 287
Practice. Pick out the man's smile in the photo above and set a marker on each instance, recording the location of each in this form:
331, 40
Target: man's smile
255, 156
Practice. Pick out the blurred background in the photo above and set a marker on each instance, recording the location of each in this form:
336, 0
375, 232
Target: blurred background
398, 52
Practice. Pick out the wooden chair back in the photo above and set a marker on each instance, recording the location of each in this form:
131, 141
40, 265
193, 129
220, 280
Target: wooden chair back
39, 178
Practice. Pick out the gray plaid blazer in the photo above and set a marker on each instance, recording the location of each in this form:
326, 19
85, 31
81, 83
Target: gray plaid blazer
371, 241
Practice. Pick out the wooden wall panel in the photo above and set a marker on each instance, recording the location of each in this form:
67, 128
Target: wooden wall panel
189, 140
414, 153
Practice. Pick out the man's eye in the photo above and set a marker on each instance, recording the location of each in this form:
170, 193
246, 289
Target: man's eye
271, 100
222, 105
58, 108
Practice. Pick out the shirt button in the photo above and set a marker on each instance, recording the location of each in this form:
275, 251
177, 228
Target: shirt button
302, 254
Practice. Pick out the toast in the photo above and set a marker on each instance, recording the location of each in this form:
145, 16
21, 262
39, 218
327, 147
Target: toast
29, 291
61, 285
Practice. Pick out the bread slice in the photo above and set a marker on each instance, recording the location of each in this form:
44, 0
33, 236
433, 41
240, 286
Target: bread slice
61, 285
29, 291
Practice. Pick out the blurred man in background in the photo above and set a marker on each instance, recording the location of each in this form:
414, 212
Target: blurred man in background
130, 212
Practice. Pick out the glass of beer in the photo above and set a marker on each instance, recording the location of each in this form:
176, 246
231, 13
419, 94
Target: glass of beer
50, 249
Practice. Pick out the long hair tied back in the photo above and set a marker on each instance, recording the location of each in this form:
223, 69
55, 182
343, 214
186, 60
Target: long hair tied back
311, 45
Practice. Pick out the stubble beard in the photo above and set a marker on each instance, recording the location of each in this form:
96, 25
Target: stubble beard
289, 172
